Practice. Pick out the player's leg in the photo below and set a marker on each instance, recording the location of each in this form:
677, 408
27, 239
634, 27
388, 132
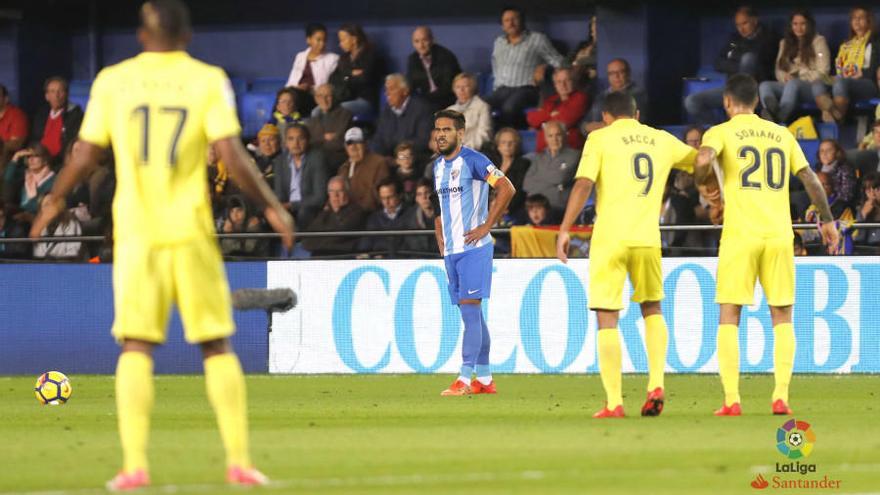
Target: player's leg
484, 383
607, 276
777, 279
646, 274
143, 291
738, 259
728, 358
206, 311
224, 381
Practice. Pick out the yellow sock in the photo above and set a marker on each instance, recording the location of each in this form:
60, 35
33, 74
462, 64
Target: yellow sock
134, 401
609, 365
656, 341
226, 391
783, 359
728, 362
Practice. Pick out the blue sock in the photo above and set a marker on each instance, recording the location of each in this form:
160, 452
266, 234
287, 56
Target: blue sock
483, 357
473, 337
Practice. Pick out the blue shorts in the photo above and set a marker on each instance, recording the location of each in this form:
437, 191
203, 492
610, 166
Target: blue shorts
470, 273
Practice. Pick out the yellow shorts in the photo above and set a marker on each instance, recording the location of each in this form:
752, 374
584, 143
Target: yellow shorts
608, 268
148, 279
743, 259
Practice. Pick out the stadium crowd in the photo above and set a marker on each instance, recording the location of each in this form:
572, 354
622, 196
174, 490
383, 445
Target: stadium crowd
348, 147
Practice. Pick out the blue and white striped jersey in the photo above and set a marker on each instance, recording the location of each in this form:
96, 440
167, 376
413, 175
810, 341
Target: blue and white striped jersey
463, 194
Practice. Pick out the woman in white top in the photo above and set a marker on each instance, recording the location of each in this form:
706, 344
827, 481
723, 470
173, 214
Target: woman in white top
477, 114
803, 59
312, 67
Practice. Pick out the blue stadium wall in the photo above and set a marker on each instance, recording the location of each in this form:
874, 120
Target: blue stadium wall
387, 316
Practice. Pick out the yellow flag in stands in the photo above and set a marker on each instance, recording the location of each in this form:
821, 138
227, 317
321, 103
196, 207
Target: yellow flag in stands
540, 242
803, 128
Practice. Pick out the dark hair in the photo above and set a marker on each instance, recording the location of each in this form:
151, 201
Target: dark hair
171, 20
389, 181
623, 61
457, 117
852, 34
58, 79
742, 88
288, 90
403, 145
538, 200
747, 10
357, 31
300, 127
41, 151
519, 12
3, 90
314, 27
619, 104
424, 182
693, 127
793, 47
839, 152
872, 178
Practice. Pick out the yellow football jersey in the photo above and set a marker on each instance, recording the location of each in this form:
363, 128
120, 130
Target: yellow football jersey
159, 111
630, 162
756, 158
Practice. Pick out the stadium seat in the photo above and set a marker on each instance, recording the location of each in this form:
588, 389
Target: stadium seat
529, 140
267, 84
79, 87
709, 72
256, 108
810, 147
485, 81
864, 111
675, 130
827, 130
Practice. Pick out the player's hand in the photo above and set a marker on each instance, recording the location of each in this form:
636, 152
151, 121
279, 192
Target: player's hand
830, 236
704, 158
712, 196
562, 242
50, 208
281, 222
473, 236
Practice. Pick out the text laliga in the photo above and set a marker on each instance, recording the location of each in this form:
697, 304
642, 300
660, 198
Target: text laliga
795, 467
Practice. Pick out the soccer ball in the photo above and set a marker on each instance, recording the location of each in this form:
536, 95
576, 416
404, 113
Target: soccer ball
53, 388
795, 439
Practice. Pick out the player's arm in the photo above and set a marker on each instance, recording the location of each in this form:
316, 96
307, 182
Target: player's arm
438, 233
245, 174
83, 159
504, 192
581, 191
817, 195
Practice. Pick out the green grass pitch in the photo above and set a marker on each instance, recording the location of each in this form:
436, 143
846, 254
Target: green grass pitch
394, 434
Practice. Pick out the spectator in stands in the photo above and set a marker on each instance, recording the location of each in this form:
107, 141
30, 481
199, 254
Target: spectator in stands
750, 50
552, 172
4, 231
218, 182
568, 106
583, 60
519, 59
339, 215
32, 166
268, 149
856, 68
65, 224
300, 176
421, 217
239, 219
693, 136
477, 114
405, 118
832, 161
428, 172
803, 59
328, 125
91, 199
404, 171
356, 78
430, 70
311, 67
363, 170
619, 80
538, 210
839, 207
285, 112
391, 216
681, 206
56, 124
869, 211
13, 128
866, 158
507, 156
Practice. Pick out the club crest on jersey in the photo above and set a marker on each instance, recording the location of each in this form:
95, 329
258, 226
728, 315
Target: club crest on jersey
454, 174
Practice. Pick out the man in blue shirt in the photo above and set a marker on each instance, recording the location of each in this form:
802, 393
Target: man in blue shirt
462, 178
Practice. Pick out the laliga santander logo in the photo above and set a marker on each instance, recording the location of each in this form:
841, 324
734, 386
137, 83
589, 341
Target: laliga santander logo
795, 439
